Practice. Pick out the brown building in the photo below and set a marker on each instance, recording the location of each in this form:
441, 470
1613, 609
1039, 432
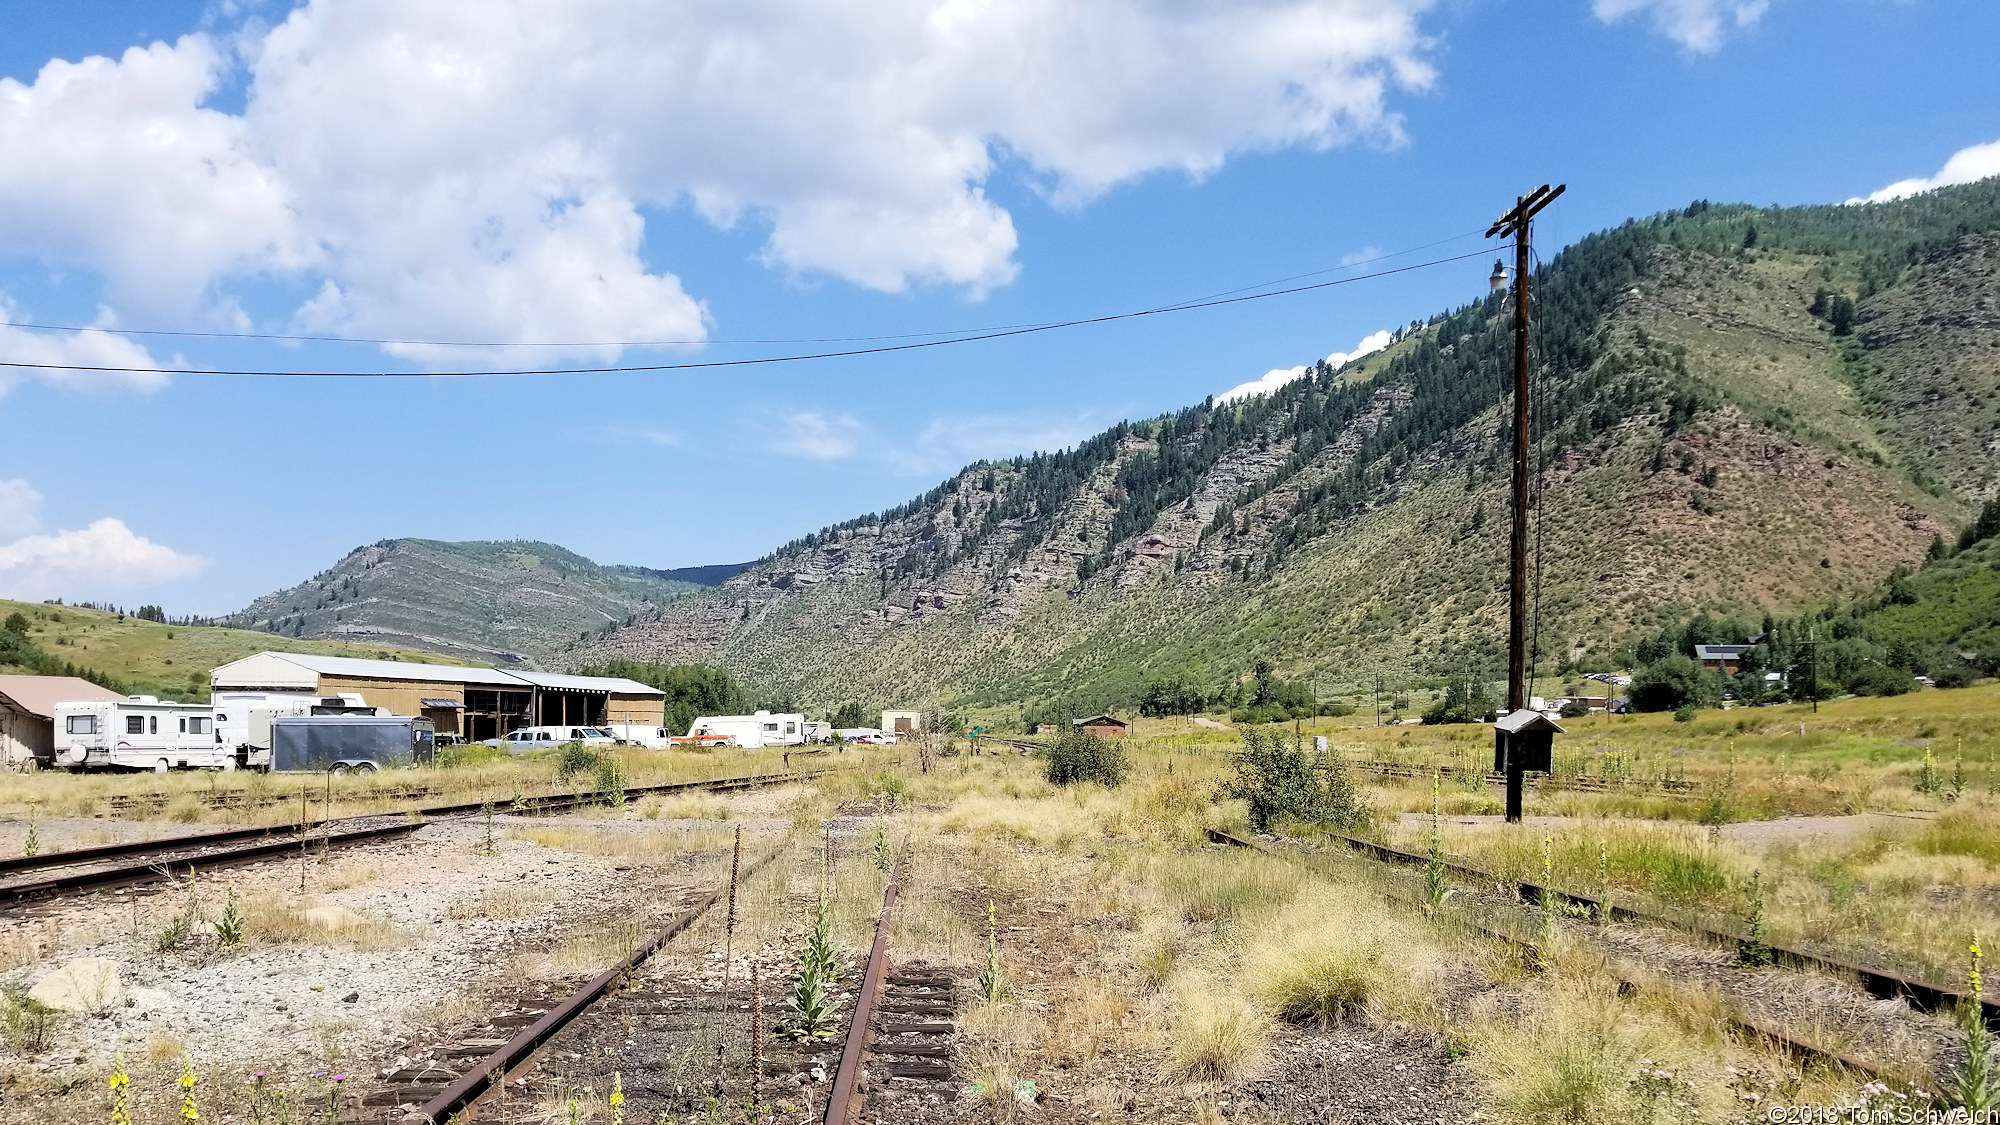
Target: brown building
1103, 726
28, 714
472, 703
1727, 659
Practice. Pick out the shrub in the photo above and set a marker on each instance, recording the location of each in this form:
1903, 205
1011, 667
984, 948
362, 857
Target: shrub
1876, 679
1464, 701
1278, 777
1077, 755
1673, 682
575, 758
466, 754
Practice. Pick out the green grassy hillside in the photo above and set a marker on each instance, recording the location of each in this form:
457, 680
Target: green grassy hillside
144, 657
508, 602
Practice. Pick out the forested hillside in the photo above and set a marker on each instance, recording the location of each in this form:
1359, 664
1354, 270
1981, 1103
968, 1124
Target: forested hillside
502, 602
1751, 410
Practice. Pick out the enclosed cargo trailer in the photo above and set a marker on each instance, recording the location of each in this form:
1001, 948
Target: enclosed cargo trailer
350, 742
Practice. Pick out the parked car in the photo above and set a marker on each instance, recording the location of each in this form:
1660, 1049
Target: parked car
543, 738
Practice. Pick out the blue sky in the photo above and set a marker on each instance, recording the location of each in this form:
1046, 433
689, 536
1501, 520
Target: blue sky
787, 170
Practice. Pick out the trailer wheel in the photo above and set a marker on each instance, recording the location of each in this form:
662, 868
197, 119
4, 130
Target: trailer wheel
228, 764
338, 769
160, 766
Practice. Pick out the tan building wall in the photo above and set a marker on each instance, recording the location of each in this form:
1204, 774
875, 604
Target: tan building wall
646, 710
404, 697
24, 737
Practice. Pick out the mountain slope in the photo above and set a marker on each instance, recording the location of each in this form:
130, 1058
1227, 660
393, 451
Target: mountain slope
128, 654
1716, 431
503, 602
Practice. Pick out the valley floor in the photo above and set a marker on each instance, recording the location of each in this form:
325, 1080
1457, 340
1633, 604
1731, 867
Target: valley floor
1133, 968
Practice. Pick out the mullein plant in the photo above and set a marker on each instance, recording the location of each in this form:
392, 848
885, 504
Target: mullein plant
1436, 888
1548, 895
617, 1098
811, 1004
1755, 948
1972, 1082
992, 982
189, 1110
1603, 881
121, 1093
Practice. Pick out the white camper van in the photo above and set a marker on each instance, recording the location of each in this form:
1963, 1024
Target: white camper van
138, 732
753, 731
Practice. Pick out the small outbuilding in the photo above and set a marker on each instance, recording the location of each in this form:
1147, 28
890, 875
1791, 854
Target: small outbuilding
28, 714
903, 722
1103, 726
1524, 741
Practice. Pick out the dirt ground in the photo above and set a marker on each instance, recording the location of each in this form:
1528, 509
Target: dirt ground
348, 958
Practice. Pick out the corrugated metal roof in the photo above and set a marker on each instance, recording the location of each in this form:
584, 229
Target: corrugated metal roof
562, 682
398, 669
1525, 719
1720, 652
452, 673
38, 695
442, 703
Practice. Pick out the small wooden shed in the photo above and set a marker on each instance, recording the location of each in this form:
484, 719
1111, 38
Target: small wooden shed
1524, 740
1103, 726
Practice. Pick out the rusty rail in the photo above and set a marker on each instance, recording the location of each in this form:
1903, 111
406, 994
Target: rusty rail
839, 1099
1881, 983
552, 802
1798, 1048
160, 868
492, 1070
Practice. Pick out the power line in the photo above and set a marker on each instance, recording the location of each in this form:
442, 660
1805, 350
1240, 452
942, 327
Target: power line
995, 334
290, 338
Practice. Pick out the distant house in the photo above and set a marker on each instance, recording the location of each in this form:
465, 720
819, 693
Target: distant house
1721, 658
1103, 726
903, 722
1047, 728
28, 715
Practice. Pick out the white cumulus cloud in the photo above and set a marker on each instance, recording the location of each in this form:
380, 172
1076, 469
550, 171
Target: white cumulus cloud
820, 437
429, 168
1698, 25
20, 509
1278, 377
105, 558
941, 445
48, 355
1974, 162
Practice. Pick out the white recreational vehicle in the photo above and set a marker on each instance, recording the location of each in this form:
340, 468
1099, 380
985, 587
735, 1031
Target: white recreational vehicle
753, 731
138, 732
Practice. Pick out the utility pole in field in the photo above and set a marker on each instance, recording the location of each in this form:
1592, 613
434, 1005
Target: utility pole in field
1517, 224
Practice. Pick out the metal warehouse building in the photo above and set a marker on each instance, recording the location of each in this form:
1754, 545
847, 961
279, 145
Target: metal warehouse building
474, 703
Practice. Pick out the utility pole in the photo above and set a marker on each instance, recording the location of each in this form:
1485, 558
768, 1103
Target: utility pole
1517, 223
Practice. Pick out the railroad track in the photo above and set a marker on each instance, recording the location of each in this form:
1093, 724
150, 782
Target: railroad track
188, 859
1881, 983
143, 861
457, 1092
1799, 1048
899, 1035
1672, 786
